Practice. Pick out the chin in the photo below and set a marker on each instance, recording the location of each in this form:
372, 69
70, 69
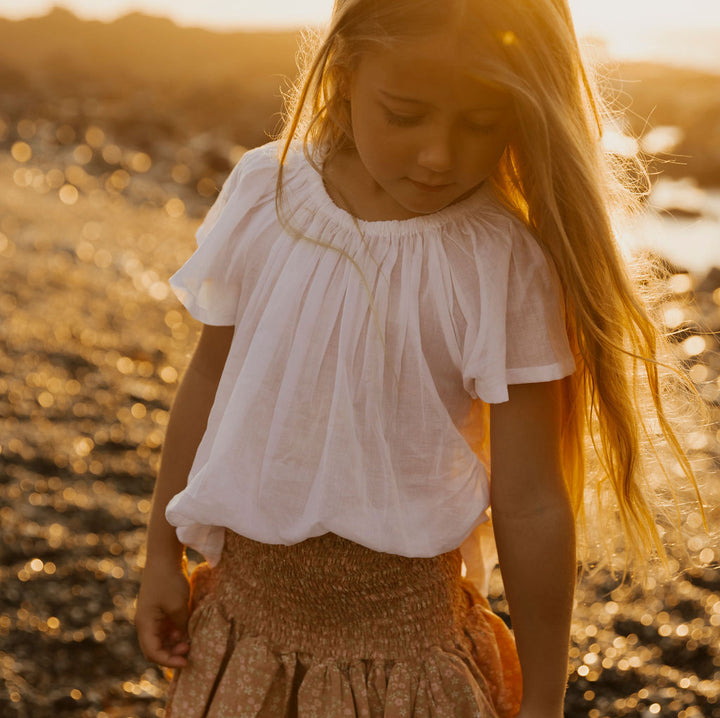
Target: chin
428, 206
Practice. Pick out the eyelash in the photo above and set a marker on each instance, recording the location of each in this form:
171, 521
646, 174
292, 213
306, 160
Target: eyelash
412, 120
482, 129
401, 120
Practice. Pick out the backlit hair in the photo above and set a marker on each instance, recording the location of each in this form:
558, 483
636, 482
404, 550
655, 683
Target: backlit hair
555, 176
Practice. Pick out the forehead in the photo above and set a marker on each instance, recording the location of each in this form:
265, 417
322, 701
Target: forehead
433, 69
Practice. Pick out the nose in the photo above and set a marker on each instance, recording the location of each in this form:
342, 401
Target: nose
436, 153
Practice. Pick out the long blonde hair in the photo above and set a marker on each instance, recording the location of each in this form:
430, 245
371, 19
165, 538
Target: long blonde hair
556, 177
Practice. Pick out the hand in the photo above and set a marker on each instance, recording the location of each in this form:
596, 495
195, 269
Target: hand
161, 617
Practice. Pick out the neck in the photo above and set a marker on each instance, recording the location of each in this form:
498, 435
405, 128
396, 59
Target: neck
345, 177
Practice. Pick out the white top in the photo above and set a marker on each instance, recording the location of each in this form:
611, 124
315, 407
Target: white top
345, 402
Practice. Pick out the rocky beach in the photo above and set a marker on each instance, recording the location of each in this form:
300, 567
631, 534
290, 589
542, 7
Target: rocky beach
102, 185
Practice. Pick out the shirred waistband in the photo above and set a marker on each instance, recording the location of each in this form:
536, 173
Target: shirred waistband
329, 596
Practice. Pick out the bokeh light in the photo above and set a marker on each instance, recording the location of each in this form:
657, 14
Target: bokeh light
103, 180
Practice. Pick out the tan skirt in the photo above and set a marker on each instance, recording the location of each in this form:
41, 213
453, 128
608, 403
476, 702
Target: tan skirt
328, 629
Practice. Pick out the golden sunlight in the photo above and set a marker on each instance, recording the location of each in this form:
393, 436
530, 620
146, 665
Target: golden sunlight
637, 29
611, 17
115, 139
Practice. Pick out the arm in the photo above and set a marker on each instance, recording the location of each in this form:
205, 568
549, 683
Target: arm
162, 606
535, 534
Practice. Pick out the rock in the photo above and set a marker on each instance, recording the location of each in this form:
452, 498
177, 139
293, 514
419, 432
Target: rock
710, 282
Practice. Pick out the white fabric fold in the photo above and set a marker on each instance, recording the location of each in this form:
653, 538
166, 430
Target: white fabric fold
344, 402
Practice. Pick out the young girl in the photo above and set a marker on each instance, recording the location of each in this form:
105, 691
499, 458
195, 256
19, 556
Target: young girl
424, 270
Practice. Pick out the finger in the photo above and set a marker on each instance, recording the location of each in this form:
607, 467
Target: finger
156, 650
153, 639
173, 634
180, 649
162, 633
151, 644
178, 636
166, 658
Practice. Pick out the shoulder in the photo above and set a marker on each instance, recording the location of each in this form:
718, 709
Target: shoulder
253, 178
262, 164
498, 234
508, 265
524, 248
505, 224
272, 154
249, 188
264, 158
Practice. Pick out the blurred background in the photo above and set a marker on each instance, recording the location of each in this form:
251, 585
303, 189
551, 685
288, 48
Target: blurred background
119, 121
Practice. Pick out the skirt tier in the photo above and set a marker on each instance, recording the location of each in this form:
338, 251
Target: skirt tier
330, 629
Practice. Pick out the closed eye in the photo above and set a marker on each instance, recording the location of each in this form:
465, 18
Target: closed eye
399, 120
482, 127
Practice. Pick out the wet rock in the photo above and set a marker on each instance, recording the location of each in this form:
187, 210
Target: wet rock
711, 281
91, 348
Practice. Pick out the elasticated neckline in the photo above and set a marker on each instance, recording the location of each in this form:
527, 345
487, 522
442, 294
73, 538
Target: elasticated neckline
320, 200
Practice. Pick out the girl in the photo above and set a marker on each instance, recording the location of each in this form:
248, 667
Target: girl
423, 269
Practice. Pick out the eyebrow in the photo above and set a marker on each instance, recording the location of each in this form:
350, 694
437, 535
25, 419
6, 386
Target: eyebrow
399, 98
412, 101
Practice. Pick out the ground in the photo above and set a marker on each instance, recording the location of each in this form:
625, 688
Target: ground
91, 347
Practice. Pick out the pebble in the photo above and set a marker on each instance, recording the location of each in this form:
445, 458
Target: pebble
91, 348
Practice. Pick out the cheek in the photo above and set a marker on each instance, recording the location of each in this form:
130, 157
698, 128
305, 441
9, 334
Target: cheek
367, 132
497, 151
487, 155
377, 144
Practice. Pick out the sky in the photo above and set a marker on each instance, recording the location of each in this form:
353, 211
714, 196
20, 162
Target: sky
626, 25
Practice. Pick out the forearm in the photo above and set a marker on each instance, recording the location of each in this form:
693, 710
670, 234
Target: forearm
536, 548
188, 420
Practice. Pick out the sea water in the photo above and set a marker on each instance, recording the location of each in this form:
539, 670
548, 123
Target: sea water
681, 223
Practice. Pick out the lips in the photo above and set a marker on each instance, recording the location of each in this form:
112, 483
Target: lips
430, 187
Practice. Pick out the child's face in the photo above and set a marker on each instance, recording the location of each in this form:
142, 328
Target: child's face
425, 131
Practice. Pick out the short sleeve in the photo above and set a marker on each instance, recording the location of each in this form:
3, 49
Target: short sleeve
209, 283
520, 336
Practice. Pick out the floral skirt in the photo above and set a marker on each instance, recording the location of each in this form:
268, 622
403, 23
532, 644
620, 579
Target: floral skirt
327, 629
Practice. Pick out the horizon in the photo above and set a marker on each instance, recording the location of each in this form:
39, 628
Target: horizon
629, 29
612, 18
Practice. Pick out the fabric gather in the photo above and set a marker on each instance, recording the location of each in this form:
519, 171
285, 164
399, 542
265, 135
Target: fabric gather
282, 631
368, 370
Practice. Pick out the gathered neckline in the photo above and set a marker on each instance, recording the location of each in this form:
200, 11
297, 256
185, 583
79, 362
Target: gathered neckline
324, 203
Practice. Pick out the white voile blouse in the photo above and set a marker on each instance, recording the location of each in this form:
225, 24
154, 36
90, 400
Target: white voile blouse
348, 400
